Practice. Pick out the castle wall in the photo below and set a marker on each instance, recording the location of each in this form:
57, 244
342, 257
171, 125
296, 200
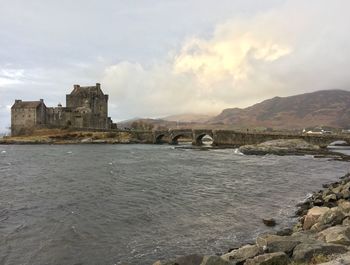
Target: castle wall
59, 117
25, 119
22, 120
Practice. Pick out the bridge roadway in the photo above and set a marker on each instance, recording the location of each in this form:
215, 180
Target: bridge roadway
235, 138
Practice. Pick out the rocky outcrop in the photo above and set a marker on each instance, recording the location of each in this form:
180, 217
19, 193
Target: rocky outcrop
281, 147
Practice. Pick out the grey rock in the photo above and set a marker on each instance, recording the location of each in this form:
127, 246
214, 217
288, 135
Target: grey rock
306, 251
330, 198
333, 217
275, 243
242, 253
269, 221
285, 232
278, 258
337, 235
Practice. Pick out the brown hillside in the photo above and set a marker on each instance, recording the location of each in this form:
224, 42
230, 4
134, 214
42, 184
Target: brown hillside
321, 108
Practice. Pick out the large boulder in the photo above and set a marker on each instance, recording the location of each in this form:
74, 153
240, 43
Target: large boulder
242, 253
278, 258
313, 215
306, 251
334, 216
275, 243
337, 235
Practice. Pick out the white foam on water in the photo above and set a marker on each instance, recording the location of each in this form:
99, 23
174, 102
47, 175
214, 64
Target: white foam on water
237, 152
3, 152
69, 152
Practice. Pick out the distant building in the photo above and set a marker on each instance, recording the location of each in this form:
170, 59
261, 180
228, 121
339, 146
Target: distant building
317, 131
86, 107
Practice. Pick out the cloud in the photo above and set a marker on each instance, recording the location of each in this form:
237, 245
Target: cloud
297, 47
153, 64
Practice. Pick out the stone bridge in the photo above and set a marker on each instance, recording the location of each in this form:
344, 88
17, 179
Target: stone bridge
171, 136
232, 138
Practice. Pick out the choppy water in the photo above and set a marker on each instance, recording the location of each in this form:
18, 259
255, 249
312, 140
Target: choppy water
108, 204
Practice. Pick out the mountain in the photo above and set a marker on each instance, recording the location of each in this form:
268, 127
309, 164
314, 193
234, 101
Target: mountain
188, 117
320, 108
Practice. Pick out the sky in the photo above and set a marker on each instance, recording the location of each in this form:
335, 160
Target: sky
162, 57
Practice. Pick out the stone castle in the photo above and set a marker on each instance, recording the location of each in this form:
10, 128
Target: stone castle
86, 108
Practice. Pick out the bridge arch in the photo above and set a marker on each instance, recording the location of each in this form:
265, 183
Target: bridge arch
199, 138
159, 139
175, 138
176, 134
199, 135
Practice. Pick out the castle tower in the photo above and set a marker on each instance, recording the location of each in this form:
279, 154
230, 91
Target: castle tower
94, 101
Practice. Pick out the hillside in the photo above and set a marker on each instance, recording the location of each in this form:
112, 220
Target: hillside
321, 108
188, 117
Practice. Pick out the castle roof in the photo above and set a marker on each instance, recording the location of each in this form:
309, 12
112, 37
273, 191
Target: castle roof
78, 90
19, 104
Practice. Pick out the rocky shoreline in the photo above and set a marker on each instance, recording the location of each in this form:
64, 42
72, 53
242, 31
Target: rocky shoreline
320, 236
